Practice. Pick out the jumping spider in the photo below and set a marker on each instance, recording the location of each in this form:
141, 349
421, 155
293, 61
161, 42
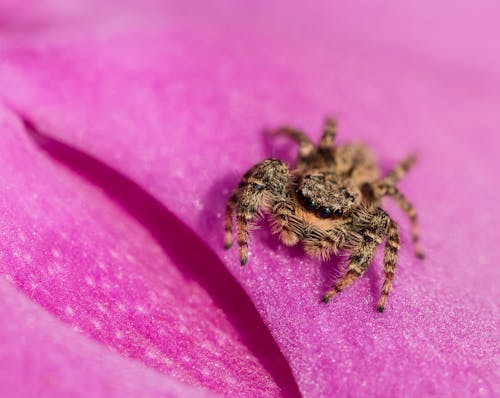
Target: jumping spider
331, 201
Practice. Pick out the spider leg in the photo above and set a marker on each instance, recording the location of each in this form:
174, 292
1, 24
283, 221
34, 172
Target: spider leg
400, 170
260, 187
407, 207
306, 147
390, 257
228, 221
231, 204
358, 263
328, 137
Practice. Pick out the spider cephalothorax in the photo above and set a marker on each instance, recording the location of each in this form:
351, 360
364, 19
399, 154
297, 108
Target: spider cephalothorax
331, 201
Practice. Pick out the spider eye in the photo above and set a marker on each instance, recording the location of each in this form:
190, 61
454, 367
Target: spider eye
338, 212
324, 212
308, 203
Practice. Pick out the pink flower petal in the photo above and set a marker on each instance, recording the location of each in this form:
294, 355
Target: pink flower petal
42, 356
179, 109
112, 272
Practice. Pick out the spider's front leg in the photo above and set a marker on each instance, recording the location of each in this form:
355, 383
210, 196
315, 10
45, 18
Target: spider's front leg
358, 263
390, 258
380, 226
263, 185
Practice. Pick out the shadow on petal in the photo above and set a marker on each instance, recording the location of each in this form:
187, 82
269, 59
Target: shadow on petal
194, 258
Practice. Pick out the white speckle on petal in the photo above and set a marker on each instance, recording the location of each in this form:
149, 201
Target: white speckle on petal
151, 354
89, 281
198, 205
166, 361
205, 372
230, 380
21, 236
96, 323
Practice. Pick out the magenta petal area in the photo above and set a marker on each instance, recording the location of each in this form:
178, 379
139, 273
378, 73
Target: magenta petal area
42, 357
113, 266
176, 104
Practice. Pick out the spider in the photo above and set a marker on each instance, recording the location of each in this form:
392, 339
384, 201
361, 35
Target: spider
331, 201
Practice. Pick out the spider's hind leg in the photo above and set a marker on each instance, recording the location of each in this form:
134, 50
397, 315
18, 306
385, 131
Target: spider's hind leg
400, 170
325, 149
306, 147
328, 137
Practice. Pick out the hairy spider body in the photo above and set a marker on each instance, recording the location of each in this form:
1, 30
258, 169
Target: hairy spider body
331, 201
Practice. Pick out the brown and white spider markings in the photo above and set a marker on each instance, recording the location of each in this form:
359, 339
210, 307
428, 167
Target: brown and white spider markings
331, 201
